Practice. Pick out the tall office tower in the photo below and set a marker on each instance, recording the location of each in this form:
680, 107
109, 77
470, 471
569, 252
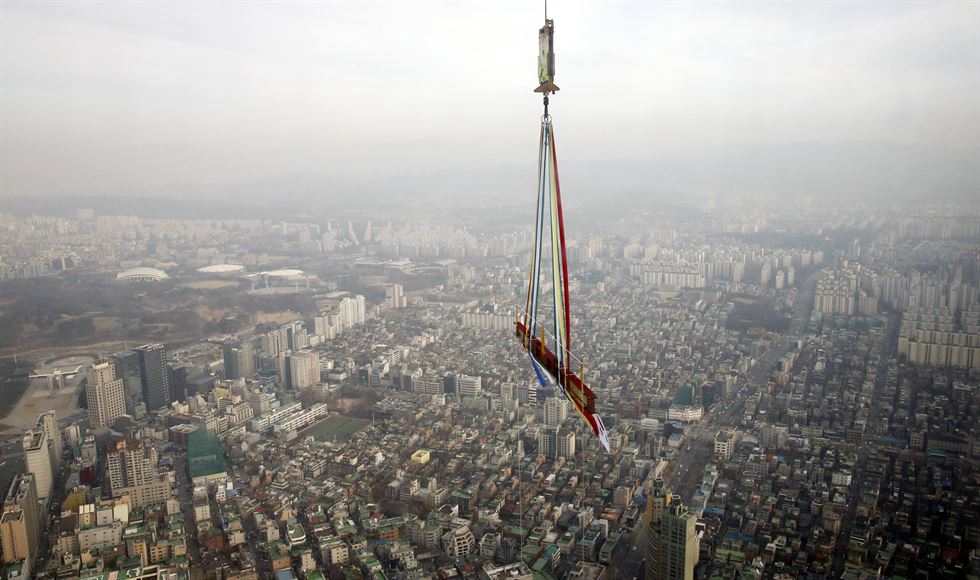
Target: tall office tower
128, 369
395, 296
467, 386
299, 370
155, 376
548, 442
555, 411
48, 422
20, 530
105, 394
39, 461
673, 548
430, 384
239, 363
528, 395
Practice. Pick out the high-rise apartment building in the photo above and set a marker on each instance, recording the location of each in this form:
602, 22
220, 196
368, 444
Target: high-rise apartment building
272, 343
566, 444
349, 312
105, 394
20, 529
132, 470
155, 376
130, 462
294, 335
395, 296
299, 370
321, 325
673, 548
554, 444
290, 336
239, 362
555, 411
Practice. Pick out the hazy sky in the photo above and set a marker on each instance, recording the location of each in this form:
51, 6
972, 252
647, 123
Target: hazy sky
106, 95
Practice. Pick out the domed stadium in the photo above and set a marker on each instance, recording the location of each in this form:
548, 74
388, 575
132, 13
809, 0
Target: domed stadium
286, 273
141, 275
220, 269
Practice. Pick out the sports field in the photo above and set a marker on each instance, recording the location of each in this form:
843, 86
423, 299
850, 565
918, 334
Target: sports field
336, 428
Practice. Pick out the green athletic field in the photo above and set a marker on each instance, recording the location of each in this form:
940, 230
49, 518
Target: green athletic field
336, 428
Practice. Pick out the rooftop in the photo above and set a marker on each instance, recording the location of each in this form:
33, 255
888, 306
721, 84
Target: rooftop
204, 456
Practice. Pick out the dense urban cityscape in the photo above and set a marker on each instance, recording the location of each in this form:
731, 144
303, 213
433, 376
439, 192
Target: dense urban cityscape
287, 292
787, 394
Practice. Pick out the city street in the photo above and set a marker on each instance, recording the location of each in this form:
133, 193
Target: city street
184, 496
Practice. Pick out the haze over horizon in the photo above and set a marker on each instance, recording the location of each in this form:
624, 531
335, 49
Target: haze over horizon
134, 98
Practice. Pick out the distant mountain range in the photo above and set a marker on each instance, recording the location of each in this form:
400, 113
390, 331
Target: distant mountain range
874, 171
